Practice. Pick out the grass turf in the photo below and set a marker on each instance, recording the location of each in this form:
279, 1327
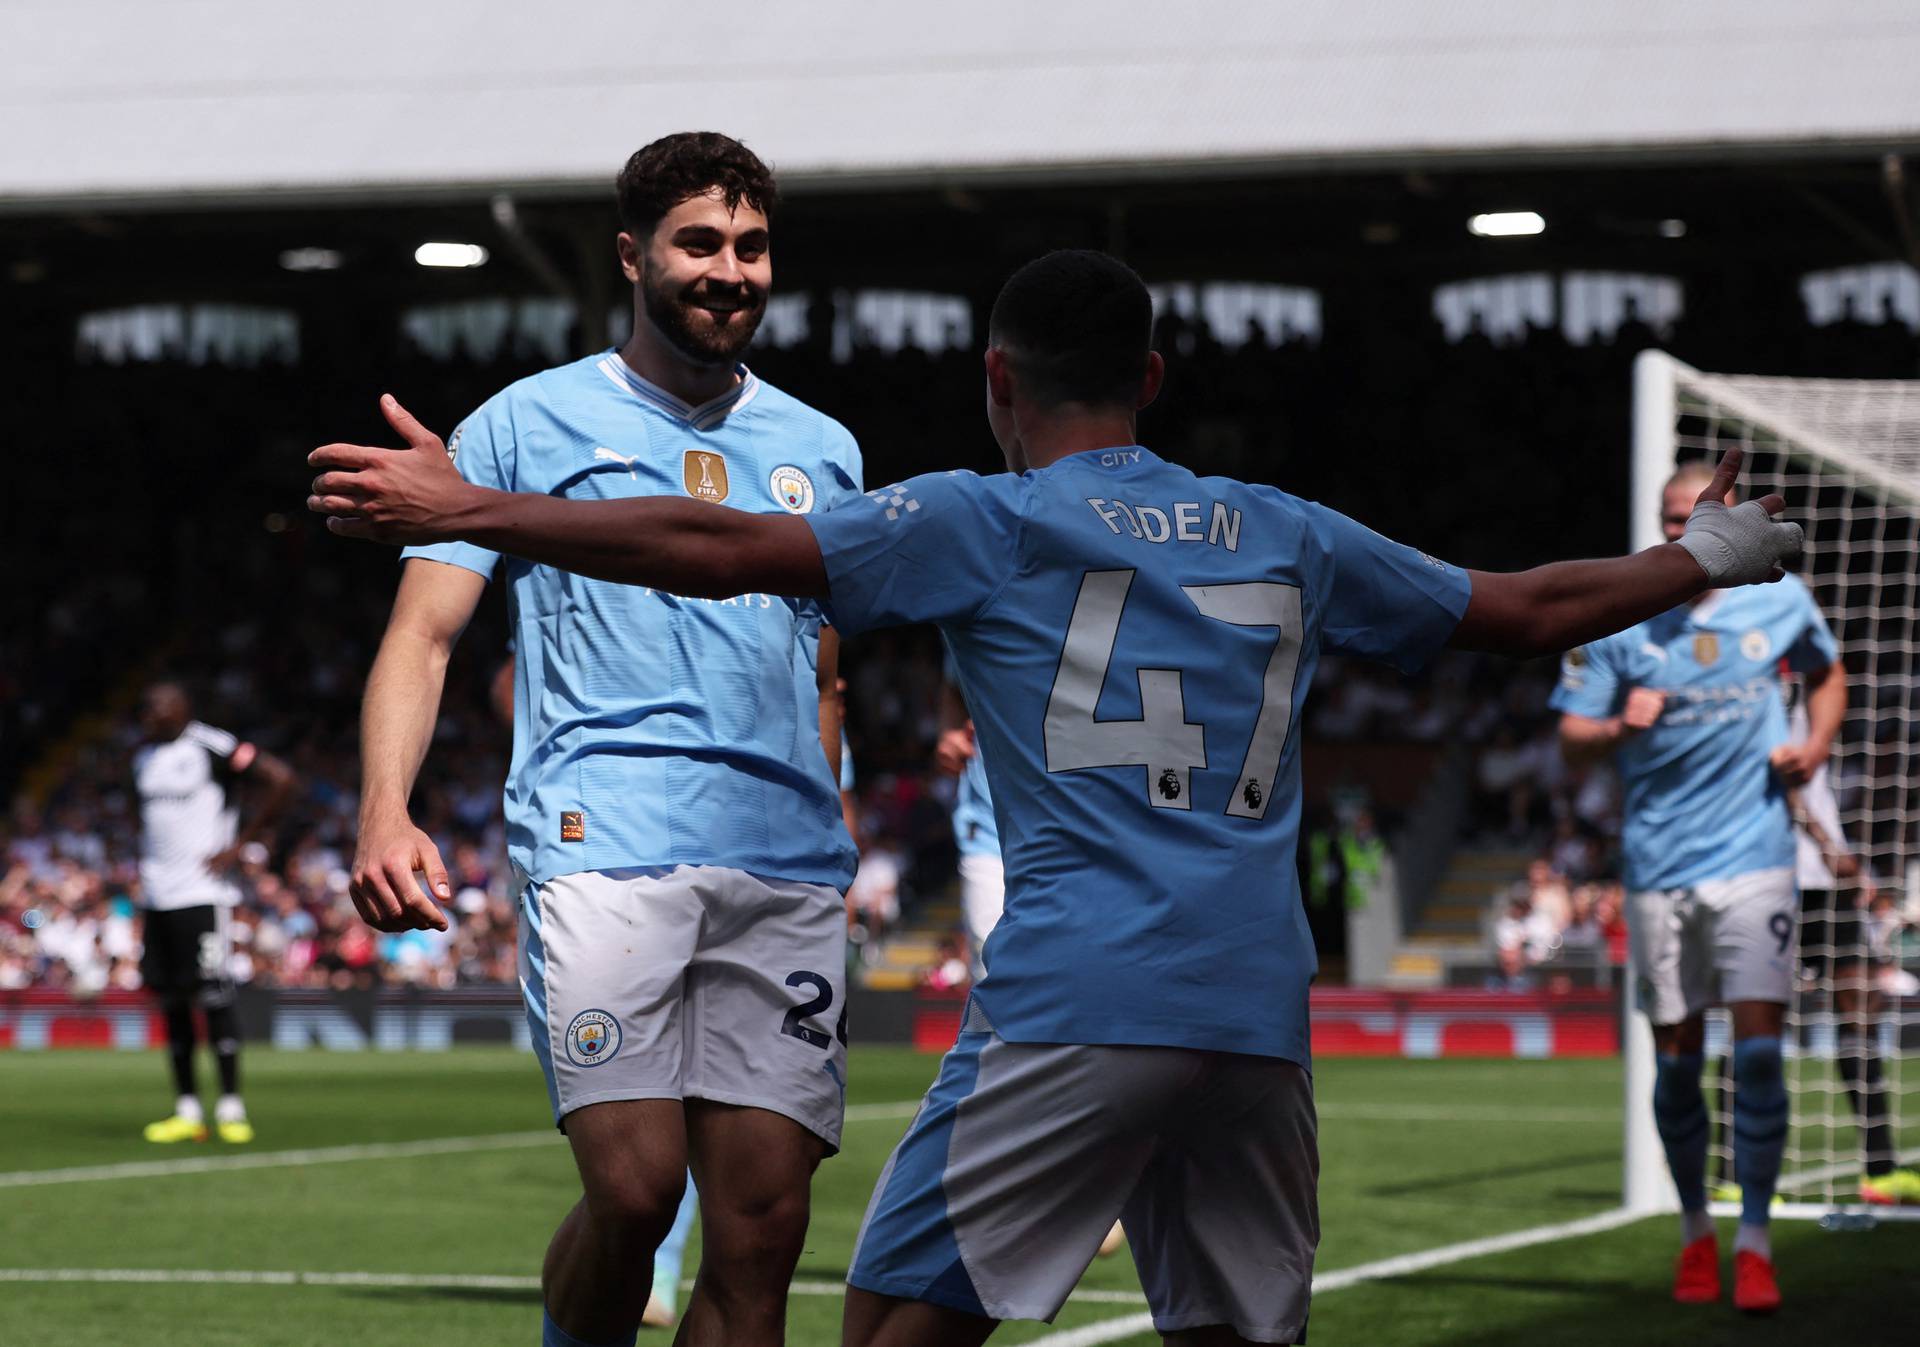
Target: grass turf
1414, 1155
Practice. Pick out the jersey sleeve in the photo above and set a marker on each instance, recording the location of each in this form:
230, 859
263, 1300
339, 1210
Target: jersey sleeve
229, 755
936, 548
846, 471
1589, 682
482, 449
1387, 601
1814, 648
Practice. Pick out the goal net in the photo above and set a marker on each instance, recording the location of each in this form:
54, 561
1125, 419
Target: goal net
1846, 456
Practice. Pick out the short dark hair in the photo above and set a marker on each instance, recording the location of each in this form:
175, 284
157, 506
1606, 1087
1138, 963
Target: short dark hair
1076, 325
687, 164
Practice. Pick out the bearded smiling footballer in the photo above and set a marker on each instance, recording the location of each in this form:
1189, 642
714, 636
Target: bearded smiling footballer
670, 805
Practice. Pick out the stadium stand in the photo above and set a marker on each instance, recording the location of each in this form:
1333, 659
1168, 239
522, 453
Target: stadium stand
277, 644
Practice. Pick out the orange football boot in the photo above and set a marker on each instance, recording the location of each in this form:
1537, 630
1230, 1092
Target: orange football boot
1696, 1277
1754, 1289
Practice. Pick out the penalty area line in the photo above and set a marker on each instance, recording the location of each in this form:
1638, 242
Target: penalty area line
326, 1155
1113, 1330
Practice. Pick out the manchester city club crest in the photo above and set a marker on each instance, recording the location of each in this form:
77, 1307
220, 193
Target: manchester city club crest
1755, 646
592, 1038
792, 488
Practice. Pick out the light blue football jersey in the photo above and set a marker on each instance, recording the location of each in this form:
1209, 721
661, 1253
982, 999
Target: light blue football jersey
1134, 643
1701, 800
974, 831
649, 729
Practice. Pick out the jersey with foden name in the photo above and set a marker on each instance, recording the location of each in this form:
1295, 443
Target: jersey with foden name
651, 729
1702, 801
1134, 643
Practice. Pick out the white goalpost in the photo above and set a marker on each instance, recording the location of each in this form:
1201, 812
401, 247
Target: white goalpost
1846, 456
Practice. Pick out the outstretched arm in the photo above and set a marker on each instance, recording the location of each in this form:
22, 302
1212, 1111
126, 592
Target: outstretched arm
1568, 603
688, 547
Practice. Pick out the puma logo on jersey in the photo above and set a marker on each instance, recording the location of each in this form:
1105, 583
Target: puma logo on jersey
622, 459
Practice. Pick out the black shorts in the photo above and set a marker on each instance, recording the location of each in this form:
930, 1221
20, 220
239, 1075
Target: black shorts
184, 951
1833, 930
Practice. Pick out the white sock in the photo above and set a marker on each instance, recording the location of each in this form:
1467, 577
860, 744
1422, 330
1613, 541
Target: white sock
230, 1109
1754, 1239
1695, 1225
188, 1106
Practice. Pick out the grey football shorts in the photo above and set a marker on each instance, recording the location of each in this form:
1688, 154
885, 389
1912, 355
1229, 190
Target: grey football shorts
1024, 1154
694, 982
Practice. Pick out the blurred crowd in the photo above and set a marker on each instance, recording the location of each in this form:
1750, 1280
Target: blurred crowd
1419, 433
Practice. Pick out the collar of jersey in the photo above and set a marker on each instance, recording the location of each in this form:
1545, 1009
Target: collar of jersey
704, 417
1080, 454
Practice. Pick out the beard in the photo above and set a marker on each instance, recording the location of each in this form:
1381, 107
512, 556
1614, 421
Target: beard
696, 333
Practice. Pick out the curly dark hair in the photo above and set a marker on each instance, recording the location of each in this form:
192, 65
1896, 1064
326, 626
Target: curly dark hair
687, 164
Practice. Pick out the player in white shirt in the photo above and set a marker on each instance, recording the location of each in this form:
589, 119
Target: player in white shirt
190, 839
1836, 889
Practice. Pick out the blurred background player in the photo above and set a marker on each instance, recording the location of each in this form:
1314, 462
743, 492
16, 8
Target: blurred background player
1128, 852
670, 800
983, 884
1690, 703
185, 775
1836, 890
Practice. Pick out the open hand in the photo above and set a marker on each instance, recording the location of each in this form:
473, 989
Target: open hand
411, 495
1742, 545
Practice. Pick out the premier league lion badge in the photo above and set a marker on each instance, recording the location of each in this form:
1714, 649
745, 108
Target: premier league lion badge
592, 1038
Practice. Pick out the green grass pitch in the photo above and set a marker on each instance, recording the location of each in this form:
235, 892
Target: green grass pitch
1415, 1155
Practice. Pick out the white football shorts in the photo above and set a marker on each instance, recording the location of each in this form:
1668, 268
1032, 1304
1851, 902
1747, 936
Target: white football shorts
983, 895
1023, 1154
1712, 943
690, 982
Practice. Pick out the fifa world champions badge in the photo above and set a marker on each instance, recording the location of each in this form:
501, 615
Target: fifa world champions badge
592, 1038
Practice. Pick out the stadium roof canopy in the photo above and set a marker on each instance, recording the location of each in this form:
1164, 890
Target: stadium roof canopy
129, 101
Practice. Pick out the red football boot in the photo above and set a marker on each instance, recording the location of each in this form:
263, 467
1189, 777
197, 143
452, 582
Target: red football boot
1754, 1289
1696, 1277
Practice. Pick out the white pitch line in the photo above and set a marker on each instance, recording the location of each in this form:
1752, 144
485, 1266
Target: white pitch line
325, 1155
320, 1155
1113, 1330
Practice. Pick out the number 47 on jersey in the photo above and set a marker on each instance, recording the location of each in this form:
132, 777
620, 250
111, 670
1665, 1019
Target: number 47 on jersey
1162, 740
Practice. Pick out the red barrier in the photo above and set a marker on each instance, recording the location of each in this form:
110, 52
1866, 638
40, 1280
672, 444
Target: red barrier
1359, 1022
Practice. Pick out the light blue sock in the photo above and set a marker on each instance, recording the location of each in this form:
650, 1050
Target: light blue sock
1759, 1124
672, 1251
552, 1335
1680, 1114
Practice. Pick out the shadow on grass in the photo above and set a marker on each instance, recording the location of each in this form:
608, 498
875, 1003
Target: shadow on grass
1475, 1177
1855, 1289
